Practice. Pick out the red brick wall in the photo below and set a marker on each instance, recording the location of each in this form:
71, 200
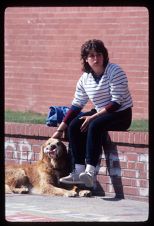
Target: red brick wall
42, 52
128, 159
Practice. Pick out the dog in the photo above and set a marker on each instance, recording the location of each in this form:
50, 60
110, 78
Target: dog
42, 177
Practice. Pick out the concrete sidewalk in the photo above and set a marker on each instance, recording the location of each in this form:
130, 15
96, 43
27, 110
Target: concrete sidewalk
39, 208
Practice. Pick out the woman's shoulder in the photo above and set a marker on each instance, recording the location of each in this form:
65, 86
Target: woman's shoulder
85, 75
113, 68
84, 78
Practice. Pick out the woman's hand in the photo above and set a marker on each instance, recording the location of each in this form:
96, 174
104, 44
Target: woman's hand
87, 120
60, 130
58, 134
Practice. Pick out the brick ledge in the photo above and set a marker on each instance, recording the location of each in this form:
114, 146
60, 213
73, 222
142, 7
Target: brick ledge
42, 130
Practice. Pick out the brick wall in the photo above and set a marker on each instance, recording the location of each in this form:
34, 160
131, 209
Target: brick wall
123, 169
42, 52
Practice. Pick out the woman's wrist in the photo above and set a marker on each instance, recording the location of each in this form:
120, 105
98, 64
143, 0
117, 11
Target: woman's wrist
98, 114
62, 127
94, 116
60, 131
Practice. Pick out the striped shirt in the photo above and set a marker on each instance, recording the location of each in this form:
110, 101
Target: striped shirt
113, 86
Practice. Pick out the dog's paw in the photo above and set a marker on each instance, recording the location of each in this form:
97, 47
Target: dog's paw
23, 190
85, 193
7, 189
71, 194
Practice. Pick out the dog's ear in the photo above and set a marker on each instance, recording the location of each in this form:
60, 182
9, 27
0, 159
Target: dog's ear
41, 154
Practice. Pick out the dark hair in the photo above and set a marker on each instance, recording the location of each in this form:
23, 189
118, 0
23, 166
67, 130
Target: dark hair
96, 45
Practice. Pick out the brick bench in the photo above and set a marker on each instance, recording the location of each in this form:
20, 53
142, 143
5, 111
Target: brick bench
123, 167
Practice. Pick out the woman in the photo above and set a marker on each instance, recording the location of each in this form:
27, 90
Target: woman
105, 85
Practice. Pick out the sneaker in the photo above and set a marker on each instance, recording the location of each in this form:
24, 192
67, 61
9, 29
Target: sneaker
72, 178
87, 178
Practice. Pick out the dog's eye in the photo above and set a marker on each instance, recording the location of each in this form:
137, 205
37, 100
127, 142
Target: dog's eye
58, 143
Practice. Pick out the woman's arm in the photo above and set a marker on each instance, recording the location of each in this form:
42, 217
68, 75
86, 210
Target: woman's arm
72, 113
59, 132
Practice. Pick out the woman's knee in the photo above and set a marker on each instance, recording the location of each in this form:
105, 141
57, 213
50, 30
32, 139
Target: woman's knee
94, 126
74, 125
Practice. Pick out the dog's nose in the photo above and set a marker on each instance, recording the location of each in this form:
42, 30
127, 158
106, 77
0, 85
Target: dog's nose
52, 147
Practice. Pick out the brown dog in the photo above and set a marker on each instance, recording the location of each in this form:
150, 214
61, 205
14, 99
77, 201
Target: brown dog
43, 176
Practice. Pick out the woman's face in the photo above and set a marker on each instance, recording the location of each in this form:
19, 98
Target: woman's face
95, 60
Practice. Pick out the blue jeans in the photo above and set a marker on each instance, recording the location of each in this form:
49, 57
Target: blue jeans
86, 146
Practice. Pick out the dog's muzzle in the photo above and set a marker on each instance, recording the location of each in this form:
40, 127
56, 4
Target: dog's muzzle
51, 150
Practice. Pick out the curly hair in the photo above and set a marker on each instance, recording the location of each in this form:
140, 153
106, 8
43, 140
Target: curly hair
97, 46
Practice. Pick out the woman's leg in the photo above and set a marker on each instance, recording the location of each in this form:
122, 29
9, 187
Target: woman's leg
97, 128
77, 139
77, 149
108, 122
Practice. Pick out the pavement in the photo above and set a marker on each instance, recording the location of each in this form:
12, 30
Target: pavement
42, 208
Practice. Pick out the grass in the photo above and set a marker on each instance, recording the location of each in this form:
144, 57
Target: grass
37, 118
25, 117
140, 125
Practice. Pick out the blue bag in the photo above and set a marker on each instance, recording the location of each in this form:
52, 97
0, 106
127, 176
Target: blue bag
56, 115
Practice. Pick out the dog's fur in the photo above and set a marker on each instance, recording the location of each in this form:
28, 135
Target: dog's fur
42, 177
